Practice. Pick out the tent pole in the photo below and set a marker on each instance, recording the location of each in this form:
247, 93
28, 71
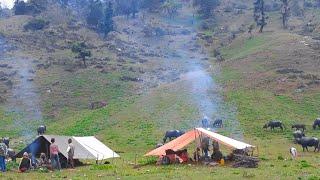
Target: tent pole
135, 159
195, 140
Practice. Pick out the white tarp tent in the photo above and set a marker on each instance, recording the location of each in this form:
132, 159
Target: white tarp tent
96, 148
86, 148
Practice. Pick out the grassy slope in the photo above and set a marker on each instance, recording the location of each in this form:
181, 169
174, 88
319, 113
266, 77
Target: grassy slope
149, 116
258, 103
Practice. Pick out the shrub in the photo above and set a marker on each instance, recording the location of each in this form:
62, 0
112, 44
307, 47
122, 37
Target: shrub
36, 24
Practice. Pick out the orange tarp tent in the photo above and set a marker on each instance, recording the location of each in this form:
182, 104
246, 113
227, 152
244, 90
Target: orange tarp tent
192, 135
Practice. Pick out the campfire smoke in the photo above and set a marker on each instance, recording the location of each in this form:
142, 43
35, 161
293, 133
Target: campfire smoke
23, 102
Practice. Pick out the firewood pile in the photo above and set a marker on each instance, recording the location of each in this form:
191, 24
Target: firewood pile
245, 161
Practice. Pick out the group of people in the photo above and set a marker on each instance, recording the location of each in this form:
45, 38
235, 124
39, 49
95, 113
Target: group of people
28, 162
182, 156
216, 155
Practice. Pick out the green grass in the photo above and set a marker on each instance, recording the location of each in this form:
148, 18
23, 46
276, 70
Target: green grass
7, 124
245, 47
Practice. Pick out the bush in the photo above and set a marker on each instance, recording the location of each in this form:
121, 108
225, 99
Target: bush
36, 24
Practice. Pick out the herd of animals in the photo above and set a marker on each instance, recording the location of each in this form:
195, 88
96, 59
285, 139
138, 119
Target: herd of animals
298, 135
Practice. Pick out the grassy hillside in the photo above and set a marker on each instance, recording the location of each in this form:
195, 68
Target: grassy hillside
272, 75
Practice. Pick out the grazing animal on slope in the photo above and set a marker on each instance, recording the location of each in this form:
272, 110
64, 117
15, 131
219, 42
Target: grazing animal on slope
205, 122
217, 123
298, 134
274, 124
293, 152
316, 123
41, 129
308, 141
172, 134
159, 145
299, 127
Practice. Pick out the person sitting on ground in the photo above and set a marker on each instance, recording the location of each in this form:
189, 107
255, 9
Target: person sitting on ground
171, 155
184, 156
217, 155
196, 155
43, 161
25, 163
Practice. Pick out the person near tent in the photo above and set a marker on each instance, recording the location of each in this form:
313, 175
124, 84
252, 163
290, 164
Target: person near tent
43, 161
54, 155
196, 155
3, 154
70, 151
215, 145
25, 163
34, 161
183, 155
217, 155
205, 143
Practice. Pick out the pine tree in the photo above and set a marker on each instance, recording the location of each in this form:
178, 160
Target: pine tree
95, 13
108, 22
151, 5
206, 7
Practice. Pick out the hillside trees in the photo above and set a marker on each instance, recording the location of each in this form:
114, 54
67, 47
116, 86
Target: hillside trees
108, 22
285, 11
151, 5
95, 14
81, 51
30, 7
19, 7
127, 7
206, 7
297, 8
100, 17
170, 8
64, 3
259, 14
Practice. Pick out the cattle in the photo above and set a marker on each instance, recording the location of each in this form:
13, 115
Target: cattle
316, 123
299, 127
41, 130
308, 141
274, 124
172, 134
298, 134
217, 123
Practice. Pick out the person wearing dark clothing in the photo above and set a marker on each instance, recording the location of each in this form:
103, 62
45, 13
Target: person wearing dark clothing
217, 156
54, 155
3, 154
70, 152
25, 163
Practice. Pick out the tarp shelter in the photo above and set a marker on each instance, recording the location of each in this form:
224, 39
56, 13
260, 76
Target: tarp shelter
192, 135
86, 148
